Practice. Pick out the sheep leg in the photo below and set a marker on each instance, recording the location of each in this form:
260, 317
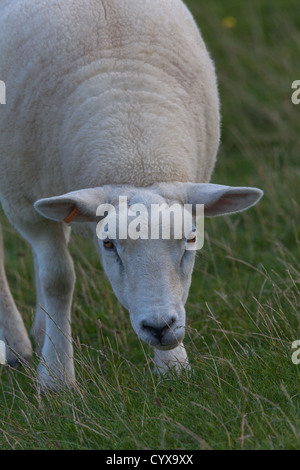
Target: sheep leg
39, 319
56, 279
171, 359
39, 326
12, 328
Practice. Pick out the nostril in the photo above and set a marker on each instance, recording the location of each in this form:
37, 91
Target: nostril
153, 330
158, 332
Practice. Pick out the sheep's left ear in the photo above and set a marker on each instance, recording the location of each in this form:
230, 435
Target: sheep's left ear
220, 200
77, 206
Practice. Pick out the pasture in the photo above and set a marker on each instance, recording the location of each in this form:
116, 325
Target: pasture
243, 312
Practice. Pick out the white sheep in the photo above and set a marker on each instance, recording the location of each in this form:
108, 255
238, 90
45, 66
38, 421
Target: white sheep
105, 98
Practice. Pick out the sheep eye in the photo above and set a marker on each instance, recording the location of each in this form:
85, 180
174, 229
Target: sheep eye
108, 244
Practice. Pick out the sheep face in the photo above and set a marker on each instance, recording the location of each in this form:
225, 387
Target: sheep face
149, 262
151, 276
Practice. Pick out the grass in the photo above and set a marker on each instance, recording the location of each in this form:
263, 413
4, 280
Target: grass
244, 304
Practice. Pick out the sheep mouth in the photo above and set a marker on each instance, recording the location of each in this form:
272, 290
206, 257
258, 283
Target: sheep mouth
170, 340
166, 338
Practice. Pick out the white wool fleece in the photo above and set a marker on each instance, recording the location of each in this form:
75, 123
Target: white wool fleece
128, 95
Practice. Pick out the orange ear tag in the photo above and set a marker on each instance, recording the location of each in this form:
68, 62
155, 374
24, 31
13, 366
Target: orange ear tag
72, 215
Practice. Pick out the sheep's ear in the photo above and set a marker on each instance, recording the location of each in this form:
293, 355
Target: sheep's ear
77, 206
220, 200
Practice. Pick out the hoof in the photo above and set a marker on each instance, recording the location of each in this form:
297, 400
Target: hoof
17, 357
54, 380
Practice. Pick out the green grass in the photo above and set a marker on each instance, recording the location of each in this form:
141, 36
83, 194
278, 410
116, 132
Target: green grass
244, 305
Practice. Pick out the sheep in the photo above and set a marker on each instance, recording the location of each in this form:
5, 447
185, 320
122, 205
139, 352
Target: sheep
105, 99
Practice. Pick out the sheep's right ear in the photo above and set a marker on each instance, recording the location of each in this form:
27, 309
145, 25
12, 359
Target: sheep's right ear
77, 206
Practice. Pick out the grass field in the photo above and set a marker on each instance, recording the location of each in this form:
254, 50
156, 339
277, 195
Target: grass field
244, 306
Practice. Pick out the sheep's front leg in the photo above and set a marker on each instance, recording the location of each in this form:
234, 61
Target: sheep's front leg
39, 319
56, 280
39, 326
12, 329
172, 359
